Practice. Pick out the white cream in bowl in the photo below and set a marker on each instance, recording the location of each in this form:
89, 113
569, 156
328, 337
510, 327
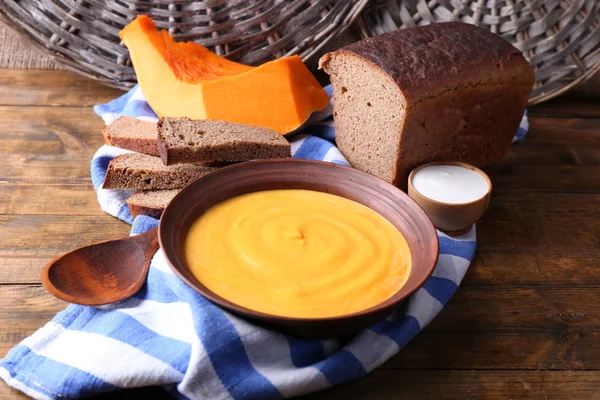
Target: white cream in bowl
450, 184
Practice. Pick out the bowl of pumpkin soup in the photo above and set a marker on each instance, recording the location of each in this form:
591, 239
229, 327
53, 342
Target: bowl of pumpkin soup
308, 248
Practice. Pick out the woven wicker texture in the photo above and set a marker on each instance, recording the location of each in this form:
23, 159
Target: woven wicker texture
82, 35
560, 38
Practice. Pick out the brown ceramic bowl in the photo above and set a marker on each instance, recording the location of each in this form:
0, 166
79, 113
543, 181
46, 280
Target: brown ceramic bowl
451, 218
254, 176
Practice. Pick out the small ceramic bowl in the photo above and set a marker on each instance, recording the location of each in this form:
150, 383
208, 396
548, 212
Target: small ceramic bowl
451, 218
254, 176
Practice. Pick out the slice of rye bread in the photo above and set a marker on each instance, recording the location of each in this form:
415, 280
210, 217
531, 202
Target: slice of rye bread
133, 134
150, 202
144, 172
182, 140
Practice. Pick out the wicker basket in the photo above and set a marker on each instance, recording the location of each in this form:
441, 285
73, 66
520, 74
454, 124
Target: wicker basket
82, 35
560, 38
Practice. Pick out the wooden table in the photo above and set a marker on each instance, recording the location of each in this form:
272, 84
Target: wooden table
525, 323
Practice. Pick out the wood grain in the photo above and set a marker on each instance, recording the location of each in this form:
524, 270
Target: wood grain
514, 308
554, 178
568, 349
543, 206
53, 199
41, 235
385, 384
578, 131
51, 88
27, 270
532, 153
498, 267
566, 107
44, 170
23, 310
49, 131
525, 322
469, 385
546, 235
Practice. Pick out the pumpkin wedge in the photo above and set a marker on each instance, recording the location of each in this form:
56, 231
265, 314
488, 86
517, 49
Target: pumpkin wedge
184, 79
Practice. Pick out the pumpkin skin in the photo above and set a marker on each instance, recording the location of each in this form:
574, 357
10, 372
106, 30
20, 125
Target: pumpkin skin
184, 79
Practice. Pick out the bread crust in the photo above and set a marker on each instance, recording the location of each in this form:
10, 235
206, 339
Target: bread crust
140, 144
427, 61
144, 172
151, 203
136, 209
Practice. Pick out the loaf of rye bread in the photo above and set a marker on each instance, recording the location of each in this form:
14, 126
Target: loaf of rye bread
442, 92
144, 172
150, 202
182, 140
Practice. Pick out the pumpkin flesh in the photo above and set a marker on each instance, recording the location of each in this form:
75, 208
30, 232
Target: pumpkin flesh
184, 79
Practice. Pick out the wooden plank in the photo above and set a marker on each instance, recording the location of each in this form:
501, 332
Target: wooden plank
568, 349
547, 235
47, 145
22, 270
535, 267
566, 107
50, 235
521, 309
564, 130
49, 131
468, 385
155, 393
8, 393
23, 310
543, 206
535, 153
24, 199
51, 88
427, 385
30, 241
555, 178
44, 170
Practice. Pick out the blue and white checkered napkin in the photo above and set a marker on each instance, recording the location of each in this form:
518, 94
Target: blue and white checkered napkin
169, 335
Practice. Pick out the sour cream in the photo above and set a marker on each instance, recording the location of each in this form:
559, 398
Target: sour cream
450, 184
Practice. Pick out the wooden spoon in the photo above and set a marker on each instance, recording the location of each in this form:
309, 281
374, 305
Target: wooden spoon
102, 273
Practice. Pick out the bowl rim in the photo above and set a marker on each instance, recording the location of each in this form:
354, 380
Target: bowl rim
451, 163
253, 314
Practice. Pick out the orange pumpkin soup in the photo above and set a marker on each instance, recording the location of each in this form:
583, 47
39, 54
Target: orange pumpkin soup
298, 253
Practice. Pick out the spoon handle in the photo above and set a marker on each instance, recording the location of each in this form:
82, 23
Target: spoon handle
150, 239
